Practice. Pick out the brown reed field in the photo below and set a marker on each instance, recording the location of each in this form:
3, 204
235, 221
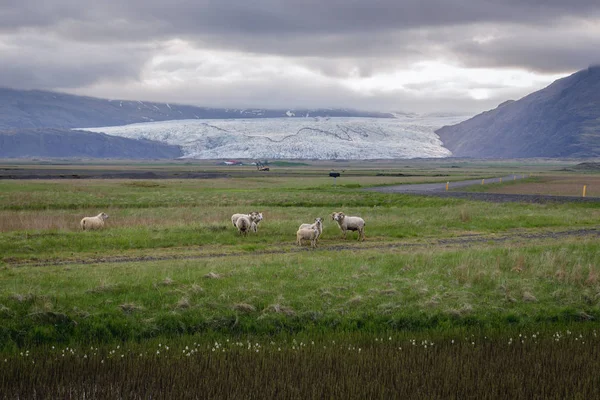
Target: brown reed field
522, 366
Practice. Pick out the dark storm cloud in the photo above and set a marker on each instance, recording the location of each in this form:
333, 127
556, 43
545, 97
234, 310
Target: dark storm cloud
285, 17
148, 19
77, 44
32, 62
552, 50
350, 29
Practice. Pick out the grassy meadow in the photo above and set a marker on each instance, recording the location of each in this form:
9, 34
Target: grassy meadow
512, 290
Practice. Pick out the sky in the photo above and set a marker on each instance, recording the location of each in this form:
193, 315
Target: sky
424, 56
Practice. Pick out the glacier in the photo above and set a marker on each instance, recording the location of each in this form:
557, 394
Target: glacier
350, 138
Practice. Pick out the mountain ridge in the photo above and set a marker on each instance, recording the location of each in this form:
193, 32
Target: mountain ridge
46, 109
66, 143
561, 120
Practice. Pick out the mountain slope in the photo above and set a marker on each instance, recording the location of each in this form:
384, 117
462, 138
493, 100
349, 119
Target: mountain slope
41, 109
562, 120
51, 142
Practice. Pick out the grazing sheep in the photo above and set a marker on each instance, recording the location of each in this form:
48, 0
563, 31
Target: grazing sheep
255, 217
318, 225
350, 224
244, 225
235, 217
307, 234
97, 222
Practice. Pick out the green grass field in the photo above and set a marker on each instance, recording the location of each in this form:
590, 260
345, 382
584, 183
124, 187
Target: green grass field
169, 267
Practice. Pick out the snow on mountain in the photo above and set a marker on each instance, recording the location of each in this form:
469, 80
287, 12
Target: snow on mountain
297, 138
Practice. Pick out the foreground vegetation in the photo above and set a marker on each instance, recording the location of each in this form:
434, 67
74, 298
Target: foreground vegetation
430, 305
403, 287
525, 365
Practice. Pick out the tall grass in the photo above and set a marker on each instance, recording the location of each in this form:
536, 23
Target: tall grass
402, 288
553, 365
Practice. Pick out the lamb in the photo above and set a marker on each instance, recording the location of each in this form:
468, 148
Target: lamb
350, 224
307, 234
318, 225
90, 223
244, 225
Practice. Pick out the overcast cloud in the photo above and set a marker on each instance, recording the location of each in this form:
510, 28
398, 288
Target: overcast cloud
391, 55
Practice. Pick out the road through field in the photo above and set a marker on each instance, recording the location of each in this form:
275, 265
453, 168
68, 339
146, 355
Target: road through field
439, 190
441, 186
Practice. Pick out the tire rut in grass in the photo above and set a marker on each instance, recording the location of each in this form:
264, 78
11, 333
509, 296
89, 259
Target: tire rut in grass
461, 241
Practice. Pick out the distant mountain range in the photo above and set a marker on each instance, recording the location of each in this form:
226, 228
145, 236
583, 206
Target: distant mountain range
38, 123
41, 109
66, 143
562, 120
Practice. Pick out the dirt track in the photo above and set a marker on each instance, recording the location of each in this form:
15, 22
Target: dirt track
462, 241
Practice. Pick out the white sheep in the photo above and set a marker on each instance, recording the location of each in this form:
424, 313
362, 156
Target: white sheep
318, 225
255, 218
244, 225
235, 217
350, 224
307, 234
96, 222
